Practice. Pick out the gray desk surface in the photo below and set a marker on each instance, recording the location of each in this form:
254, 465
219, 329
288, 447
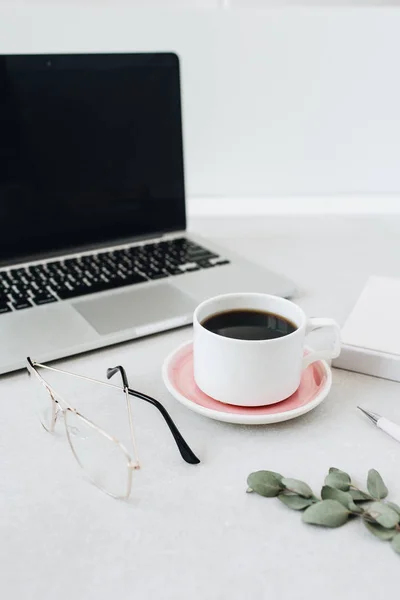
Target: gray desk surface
192, 531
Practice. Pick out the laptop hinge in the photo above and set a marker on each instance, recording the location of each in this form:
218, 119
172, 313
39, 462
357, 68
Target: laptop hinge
87, 249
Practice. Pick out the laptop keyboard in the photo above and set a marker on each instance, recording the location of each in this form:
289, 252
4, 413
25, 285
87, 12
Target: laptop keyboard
39, 284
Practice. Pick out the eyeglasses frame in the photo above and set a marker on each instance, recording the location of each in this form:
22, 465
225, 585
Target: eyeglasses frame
59, 404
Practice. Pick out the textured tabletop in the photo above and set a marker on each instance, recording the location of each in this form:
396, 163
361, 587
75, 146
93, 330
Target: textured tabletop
192, 531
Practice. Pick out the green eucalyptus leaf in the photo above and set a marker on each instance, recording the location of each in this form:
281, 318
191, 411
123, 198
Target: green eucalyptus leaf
330, 493
359, 496
328, 513
338, 479
379, 531
295, 502
383, 514
376, 486
297, 486
265, 483
342, 473
394, 506
274, 473
355, 508
396, 543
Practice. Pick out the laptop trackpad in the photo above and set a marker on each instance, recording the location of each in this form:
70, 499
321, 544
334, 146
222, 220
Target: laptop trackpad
140, 309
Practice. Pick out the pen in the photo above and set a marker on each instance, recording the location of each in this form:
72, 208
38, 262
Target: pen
387, 426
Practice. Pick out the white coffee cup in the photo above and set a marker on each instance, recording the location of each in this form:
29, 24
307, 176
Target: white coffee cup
255, 372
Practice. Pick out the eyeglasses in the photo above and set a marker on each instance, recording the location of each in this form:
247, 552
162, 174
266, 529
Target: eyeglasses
105, 460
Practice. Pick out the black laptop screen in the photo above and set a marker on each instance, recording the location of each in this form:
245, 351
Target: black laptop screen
90, 151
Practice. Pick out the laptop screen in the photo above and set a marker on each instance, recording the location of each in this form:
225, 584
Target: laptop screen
90, 151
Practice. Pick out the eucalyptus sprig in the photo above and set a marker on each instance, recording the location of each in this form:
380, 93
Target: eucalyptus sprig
340, 501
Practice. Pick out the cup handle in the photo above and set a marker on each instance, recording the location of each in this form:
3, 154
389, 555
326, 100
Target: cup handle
314, 324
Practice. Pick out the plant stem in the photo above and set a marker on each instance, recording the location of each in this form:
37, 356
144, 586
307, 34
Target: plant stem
367, 517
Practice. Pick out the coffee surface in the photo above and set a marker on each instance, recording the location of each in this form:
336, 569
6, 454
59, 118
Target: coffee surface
249, 325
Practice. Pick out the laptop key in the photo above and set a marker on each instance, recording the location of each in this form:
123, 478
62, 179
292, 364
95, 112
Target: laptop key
158, 275
67, 293
20, 304
173, 271
221, 262
4, 308
44, 299
200, 255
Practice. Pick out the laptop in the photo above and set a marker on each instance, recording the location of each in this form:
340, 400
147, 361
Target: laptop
93, 243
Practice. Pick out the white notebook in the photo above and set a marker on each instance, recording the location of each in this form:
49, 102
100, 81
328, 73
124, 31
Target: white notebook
371, 334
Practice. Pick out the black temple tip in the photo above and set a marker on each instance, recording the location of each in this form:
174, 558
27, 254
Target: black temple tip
111, 372
190, 458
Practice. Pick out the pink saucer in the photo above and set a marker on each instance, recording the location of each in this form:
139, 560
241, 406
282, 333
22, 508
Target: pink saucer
178, 378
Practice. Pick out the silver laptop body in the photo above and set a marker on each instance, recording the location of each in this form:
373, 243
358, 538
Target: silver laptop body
94, 248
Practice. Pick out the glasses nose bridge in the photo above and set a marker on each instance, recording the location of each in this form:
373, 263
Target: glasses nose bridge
134, 465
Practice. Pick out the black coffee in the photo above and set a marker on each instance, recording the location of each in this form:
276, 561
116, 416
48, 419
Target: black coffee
249, 325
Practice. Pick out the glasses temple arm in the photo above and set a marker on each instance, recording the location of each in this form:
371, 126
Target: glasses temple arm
185, 451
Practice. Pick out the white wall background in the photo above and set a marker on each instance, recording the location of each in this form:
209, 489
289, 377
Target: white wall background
298, 101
